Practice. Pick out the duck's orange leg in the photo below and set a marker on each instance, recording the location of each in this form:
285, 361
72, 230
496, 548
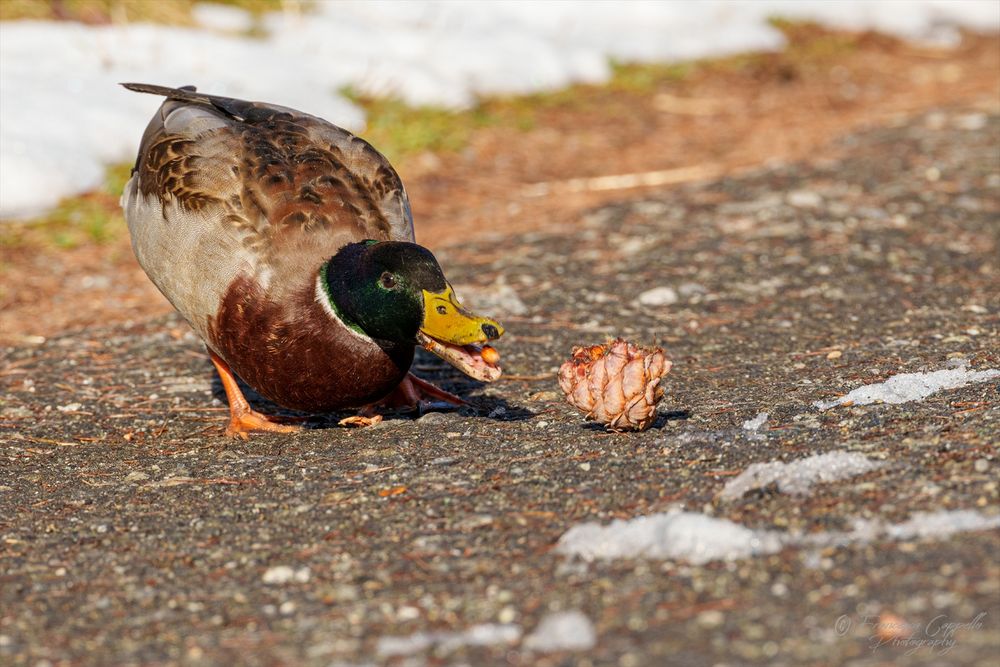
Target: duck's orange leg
242, 418
410, 393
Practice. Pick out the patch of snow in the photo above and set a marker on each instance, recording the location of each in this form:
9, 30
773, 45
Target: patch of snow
797, 477
941, 524
562, 631
930, 21
222, 18
675, 535
921, 525
804, 199
63, 117
907, 387
485, 634
755, 423
688, 290
415, 643
698, 539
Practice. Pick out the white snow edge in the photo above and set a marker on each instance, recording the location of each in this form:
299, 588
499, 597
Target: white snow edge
483, 634
797, 477
63, 117
557, 631
698, 539
907, 387
755, 423
562, 631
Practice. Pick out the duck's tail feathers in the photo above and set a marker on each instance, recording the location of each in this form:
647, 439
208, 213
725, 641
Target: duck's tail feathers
232, 107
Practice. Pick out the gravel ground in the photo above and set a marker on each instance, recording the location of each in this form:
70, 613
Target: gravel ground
133, 532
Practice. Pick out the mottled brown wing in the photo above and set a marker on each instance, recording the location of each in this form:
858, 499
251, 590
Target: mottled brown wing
273, 171
351, 174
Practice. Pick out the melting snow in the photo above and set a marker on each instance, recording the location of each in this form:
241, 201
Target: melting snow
941, 524
485, 634
921, 525
696, 538
675, 535
755, 423
62, 116
910, 387
797, 477
562, 631
222, 18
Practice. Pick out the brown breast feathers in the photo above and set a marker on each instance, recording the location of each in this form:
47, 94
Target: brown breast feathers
296, 355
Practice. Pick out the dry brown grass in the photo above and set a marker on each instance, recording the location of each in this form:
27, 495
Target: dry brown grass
172, 12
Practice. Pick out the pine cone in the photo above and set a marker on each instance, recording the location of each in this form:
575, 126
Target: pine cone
617, 383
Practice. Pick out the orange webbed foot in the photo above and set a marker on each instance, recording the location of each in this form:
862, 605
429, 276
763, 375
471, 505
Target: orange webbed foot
243, 420
360, 421
242, 425
412, 393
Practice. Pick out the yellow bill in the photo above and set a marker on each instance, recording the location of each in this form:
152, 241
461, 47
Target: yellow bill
454, 334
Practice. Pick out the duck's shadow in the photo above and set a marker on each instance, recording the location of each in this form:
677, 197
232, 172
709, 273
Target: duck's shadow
440, 374
661, 420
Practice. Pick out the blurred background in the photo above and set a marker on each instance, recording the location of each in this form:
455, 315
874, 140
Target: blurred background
501, 117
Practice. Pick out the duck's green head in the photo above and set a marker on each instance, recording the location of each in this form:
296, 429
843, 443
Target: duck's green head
395, 292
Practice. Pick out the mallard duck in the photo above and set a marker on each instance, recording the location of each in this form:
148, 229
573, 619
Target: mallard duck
287, 243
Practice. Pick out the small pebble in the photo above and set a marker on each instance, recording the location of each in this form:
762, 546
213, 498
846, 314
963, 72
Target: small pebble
407, 613
283, 574
971, 122
658, 296
280, 574
433, 418
804, 199
712, 618
446, 460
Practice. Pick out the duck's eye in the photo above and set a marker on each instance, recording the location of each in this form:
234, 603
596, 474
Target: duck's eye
387, 280
442, 310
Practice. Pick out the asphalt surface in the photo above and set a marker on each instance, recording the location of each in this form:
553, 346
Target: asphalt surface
133, 532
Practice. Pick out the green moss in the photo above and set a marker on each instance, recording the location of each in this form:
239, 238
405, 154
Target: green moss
398, 130
644, 78
811, 43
